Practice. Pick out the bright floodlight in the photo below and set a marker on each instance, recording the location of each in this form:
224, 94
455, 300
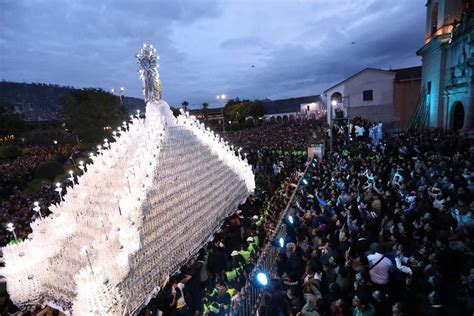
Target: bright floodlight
223, 96
305, 181
218, 97
262, 278
290, 219
334, 102
122, 88
281, 242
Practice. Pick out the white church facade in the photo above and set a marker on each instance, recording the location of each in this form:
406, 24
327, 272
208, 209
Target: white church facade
448, 61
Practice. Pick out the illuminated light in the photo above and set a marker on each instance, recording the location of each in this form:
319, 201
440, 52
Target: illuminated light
55, 142
281, 242
333, 102
305, 181
223, 96
290, 219
262, 279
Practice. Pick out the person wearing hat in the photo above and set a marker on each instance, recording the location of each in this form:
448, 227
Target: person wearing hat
252, 248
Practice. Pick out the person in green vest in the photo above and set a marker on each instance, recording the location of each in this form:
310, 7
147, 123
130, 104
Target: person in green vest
251, 248
211, 309
237, 264
256, 241
245, 253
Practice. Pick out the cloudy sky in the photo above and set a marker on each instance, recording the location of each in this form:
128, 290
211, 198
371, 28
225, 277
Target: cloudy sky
245, 48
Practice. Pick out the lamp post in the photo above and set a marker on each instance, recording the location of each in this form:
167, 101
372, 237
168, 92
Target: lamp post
120, 92
122, 89
222, 97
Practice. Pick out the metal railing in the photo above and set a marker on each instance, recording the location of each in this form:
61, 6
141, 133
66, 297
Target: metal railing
251, 296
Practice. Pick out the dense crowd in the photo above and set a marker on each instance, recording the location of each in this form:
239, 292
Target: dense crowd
378, 228
16, 199
381, 230
285, 136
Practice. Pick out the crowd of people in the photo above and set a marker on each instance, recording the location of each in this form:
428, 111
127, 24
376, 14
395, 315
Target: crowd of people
16, 198
381, 230
286, 136
378, 228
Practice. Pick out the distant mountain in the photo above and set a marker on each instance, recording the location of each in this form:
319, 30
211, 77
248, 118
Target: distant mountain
40, 101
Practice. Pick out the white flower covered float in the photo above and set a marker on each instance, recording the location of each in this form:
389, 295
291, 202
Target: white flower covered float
150, 200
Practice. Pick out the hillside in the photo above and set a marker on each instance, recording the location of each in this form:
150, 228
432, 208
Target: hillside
40, 102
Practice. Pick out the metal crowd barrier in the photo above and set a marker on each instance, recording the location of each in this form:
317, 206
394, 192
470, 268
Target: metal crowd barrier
250, 299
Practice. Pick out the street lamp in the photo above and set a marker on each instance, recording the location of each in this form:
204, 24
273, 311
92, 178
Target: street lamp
122, 89
120, 92
222, 97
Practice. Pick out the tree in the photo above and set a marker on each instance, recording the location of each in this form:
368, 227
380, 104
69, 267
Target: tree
184, 105
205, 106
11, 123
88, 111
239, 111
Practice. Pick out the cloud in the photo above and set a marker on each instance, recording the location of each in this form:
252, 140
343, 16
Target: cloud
207, 47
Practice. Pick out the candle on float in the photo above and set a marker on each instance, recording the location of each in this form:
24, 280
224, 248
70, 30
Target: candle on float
85, 251
81, 166
59, 190
11, 228
37, 209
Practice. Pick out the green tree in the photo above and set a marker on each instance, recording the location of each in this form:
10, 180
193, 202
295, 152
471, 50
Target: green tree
239, 110
88, 111
184, 105
11, 123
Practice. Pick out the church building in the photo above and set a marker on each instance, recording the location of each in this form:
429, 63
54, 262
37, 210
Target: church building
448, 61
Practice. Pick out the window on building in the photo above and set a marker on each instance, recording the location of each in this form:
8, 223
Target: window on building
368, 95
428, 87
